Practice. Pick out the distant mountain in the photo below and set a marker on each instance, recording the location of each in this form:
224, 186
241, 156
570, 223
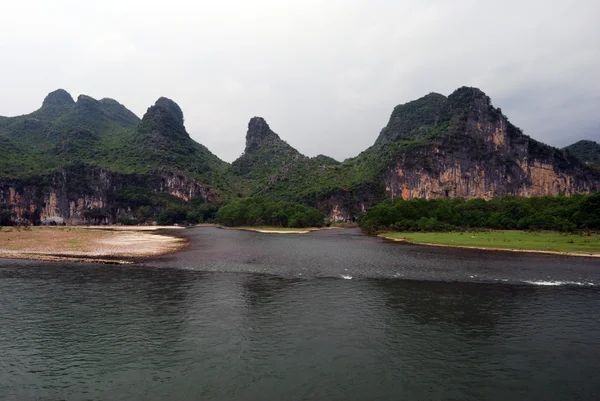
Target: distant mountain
265, 153
267, 158
70, 157
61, 131
437, 146
586, 151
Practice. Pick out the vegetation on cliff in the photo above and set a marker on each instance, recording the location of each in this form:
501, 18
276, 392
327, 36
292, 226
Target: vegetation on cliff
586, 151
74, 144
423, 137
104, 133
560, 213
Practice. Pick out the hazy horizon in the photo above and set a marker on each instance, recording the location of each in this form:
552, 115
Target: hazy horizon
325, 75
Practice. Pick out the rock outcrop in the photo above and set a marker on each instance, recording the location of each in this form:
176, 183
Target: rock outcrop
480, 154
88, 152
64, 196
59, 97
69, 158
266, 155
437, 146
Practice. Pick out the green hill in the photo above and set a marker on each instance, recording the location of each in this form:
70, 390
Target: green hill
586, 151
106, 134
86, 154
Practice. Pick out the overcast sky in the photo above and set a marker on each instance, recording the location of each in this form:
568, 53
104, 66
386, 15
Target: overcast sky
325, 74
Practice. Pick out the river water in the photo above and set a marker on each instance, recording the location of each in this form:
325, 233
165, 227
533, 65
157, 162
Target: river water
331, 315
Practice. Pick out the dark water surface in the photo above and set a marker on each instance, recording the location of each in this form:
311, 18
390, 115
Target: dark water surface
413, 323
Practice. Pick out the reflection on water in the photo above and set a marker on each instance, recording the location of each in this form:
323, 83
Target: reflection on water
87, 332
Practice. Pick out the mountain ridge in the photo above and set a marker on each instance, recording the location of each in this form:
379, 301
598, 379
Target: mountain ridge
458, 145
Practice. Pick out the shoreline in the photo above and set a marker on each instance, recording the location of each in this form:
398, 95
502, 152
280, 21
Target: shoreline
482, 248
93, 244
276, 230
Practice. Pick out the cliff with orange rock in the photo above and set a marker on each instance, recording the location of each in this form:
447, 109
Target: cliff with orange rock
436, 146
78, 161
480, 154
63, 197
73, 162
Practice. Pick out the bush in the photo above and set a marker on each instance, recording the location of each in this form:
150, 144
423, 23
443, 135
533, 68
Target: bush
172, 215
558, 213
258, 211
126, 221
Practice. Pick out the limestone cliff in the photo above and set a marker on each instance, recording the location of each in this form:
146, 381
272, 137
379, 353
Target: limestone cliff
480, 154
437, 146
88, 152
71, 157
64, 196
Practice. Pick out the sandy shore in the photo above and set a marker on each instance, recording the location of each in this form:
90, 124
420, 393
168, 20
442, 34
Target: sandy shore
275, 230
587, 255
104, 244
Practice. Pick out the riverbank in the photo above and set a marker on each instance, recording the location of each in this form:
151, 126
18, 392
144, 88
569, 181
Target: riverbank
276, 230
99, 244
516, 241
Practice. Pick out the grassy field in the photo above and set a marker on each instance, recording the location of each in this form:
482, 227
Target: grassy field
517, 240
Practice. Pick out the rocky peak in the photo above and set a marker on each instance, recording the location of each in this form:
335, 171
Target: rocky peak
258, 133
467, 99
164, 121
324, 159
171, 106
87, 102
413, 119
59, 97
119, 113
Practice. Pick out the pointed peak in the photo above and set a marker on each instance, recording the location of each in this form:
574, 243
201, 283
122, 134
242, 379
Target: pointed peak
324, 159
258, 124
59, 97
467, 93
109, 101
165, 119
86, 99
258, 132
87, 104
170, 105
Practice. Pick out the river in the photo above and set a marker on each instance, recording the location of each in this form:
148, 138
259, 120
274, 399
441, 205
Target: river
330, 315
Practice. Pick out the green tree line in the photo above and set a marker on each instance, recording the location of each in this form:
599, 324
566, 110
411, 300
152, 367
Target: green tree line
560, 213
257, 211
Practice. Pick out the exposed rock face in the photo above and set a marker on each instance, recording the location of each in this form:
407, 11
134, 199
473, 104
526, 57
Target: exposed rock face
482, 155
69, 157
171, 106
346, 205
436, 146
64, 196
259, 133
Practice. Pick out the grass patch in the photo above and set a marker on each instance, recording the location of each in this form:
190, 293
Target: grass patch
508, 239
